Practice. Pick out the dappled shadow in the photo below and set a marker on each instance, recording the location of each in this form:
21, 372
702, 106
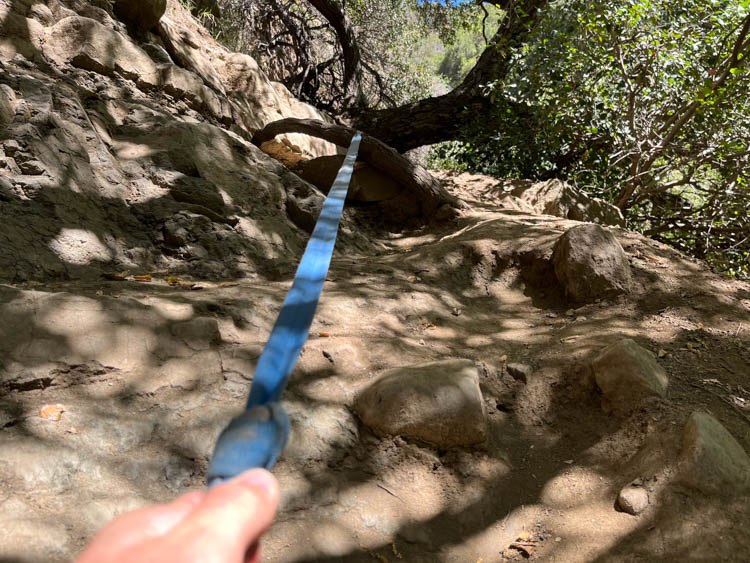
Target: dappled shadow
149, 374
472, 301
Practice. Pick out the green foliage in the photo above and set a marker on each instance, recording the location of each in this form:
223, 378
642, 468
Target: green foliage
640, 101
467, 43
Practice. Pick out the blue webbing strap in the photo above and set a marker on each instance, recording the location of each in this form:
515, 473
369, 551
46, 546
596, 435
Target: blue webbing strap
258, 435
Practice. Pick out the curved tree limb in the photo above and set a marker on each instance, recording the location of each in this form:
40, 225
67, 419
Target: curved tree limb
335, 15
408, 174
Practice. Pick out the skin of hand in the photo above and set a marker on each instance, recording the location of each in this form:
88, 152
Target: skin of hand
222, 525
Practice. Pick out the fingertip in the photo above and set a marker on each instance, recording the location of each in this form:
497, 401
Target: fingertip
260, 480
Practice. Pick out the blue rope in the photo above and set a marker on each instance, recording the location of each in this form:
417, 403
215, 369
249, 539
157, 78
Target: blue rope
258, 435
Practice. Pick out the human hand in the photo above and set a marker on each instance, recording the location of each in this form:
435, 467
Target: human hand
222, 525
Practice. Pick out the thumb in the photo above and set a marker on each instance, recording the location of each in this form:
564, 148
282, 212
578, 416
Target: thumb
233, 516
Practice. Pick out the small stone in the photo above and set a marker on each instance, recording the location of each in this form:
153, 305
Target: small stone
421, 342
712, 460
632, 500
520, 372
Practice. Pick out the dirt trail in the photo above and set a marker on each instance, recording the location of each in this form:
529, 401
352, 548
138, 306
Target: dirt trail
148, 374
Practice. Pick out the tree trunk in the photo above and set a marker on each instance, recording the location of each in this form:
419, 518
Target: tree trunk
409, 175
352, 58
442, 118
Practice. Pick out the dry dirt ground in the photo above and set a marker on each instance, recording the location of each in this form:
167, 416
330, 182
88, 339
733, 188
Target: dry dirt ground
148, 373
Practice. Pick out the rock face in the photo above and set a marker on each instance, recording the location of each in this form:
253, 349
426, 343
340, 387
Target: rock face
85, 43
555, 197
590, 264
143, 14
368, 184
628, 374
438, 402
712, 460
132, 162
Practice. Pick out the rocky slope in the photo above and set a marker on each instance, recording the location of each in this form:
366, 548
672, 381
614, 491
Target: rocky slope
124, 150
571, 398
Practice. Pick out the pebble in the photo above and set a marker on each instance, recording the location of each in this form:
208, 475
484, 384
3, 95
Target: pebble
632, 500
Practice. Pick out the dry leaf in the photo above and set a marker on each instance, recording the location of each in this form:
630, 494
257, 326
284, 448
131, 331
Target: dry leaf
323, 335
412, 278
145, 278
172, 279
229, 284
116, 276
52, 412
99, 292
651, 258
524, 536
662, 353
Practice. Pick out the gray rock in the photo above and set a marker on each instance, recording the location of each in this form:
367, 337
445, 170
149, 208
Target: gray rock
712, 461
143, 14
183, 47
7, 104
590, 264
303, 203
191, 189
180, 83
555, 197
157, 53
7, 193
632, 500
438, 402
87, 44
183, 227
628, 374
521, 372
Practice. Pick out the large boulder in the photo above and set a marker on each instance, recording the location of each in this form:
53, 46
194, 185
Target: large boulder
555, 197
142, 14
591, 264
712, 461
368, 184
627, 375
438, 402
